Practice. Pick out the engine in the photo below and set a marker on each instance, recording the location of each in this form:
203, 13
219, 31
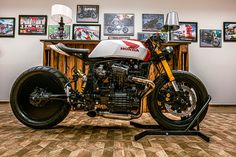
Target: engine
113, 91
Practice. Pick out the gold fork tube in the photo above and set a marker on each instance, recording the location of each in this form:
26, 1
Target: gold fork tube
166, 67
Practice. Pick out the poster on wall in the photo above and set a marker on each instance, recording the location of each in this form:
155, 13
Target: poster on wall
87, 14
32, 24
229, 31
210, 38
7, 27
143, 36
86, 32
119, 24
53, 32
152, 22
118, 37
186, 32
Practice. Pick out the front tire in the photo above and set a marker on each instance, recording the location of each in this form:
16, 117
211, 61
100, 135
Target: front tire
39, 115
163, 104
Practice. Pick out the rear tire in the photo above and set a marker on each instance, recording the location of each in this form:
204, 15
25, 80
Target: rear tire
46, 114
158, 107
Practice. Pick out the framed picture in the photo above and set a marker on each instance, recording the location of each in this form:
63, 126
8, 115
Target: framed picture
7, 27
53, 32
87, 13
32, 24
229, 29
186, 32
210, 38
86, 32
152, 22
143, 36
119, 24
118, 37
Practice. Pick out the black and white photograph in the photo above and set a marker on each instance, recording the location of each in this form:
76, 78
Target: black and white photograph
186, 32
210, 38
87, 14
152, 22
119, 24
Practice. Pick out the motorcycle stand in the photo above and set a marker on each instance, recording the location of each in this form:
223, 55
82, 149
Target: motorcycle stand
157, 130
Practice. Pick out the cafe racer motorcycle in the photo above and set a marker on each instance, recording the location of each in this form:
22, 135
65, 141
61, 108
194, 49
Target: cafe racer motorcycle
114, 87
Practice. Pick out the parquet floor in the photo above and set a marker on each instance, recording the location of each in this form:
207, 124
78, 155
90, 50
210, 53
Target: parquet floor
79, 135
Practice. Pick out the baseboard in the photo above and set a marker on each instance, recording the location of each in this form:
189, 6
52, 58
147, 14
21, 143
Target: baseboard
4, 101
222, 105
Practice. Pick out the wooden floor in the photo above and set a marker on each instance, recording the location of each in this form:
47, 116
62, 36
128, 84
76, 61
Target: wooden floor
79, 135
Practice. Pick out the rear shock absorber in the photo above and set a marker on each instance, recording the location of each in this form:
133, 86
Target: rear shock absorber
83, 77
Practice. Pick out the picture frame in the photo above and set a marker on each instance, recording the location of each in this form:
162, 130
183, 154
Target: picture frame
229, 31
152, 22
118, 24
87, 32
32, 25
118, 37
143, 36
188, 32
211, 38
53, 32
7, 27
87, 14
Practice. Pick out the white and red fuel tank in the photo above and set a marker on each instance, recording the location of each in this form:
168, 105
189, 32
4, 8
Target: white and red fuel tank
121, 49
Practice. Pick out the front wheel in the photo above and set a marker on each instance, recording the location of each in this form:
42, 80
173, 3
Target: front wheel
173, 110
26, 97
110, 29
125, 29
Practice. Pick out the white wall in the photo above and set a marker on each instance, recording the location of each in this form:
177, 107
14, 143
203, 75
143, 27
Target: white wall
214, 66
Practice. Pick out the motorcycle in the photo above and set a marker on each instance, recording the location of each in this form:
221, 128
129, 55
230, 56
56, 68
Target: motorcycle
115, 86
88, 14
118, 28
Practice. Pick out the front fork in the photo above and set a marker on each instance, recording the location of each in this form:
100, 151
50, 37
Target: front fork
168, 70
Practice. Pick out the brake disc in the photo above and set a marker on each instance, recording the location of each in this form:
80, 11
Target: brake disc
185, 111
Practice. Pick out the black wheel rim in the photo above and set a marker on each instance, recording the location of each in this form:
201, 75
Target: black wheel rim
173, 118
47, 111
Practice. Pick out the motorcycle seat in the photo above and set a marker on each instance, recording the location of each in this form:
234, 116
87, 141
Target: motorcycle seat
72, 51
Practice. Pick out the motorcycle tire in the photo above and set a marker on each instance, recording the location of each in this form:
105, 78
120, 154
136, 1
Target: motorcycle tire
158, 109
41, 114
125, 29
216, 43
94, 15
81, 15
110, 29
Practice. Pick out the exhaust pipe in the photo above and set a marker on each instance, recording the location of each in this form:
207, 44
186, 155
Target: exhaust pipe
150, 86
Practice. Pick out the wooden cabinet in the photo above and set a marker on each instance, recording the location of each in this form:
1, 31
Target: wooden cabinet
66, 64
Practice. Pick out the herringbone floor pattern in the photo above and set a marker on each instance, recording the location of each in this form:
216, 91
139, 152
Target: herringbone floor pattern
79, 135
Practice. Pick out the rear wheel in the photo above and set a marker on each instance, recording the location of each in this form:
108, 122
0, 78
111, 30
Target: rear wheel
177, 111
25, 94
